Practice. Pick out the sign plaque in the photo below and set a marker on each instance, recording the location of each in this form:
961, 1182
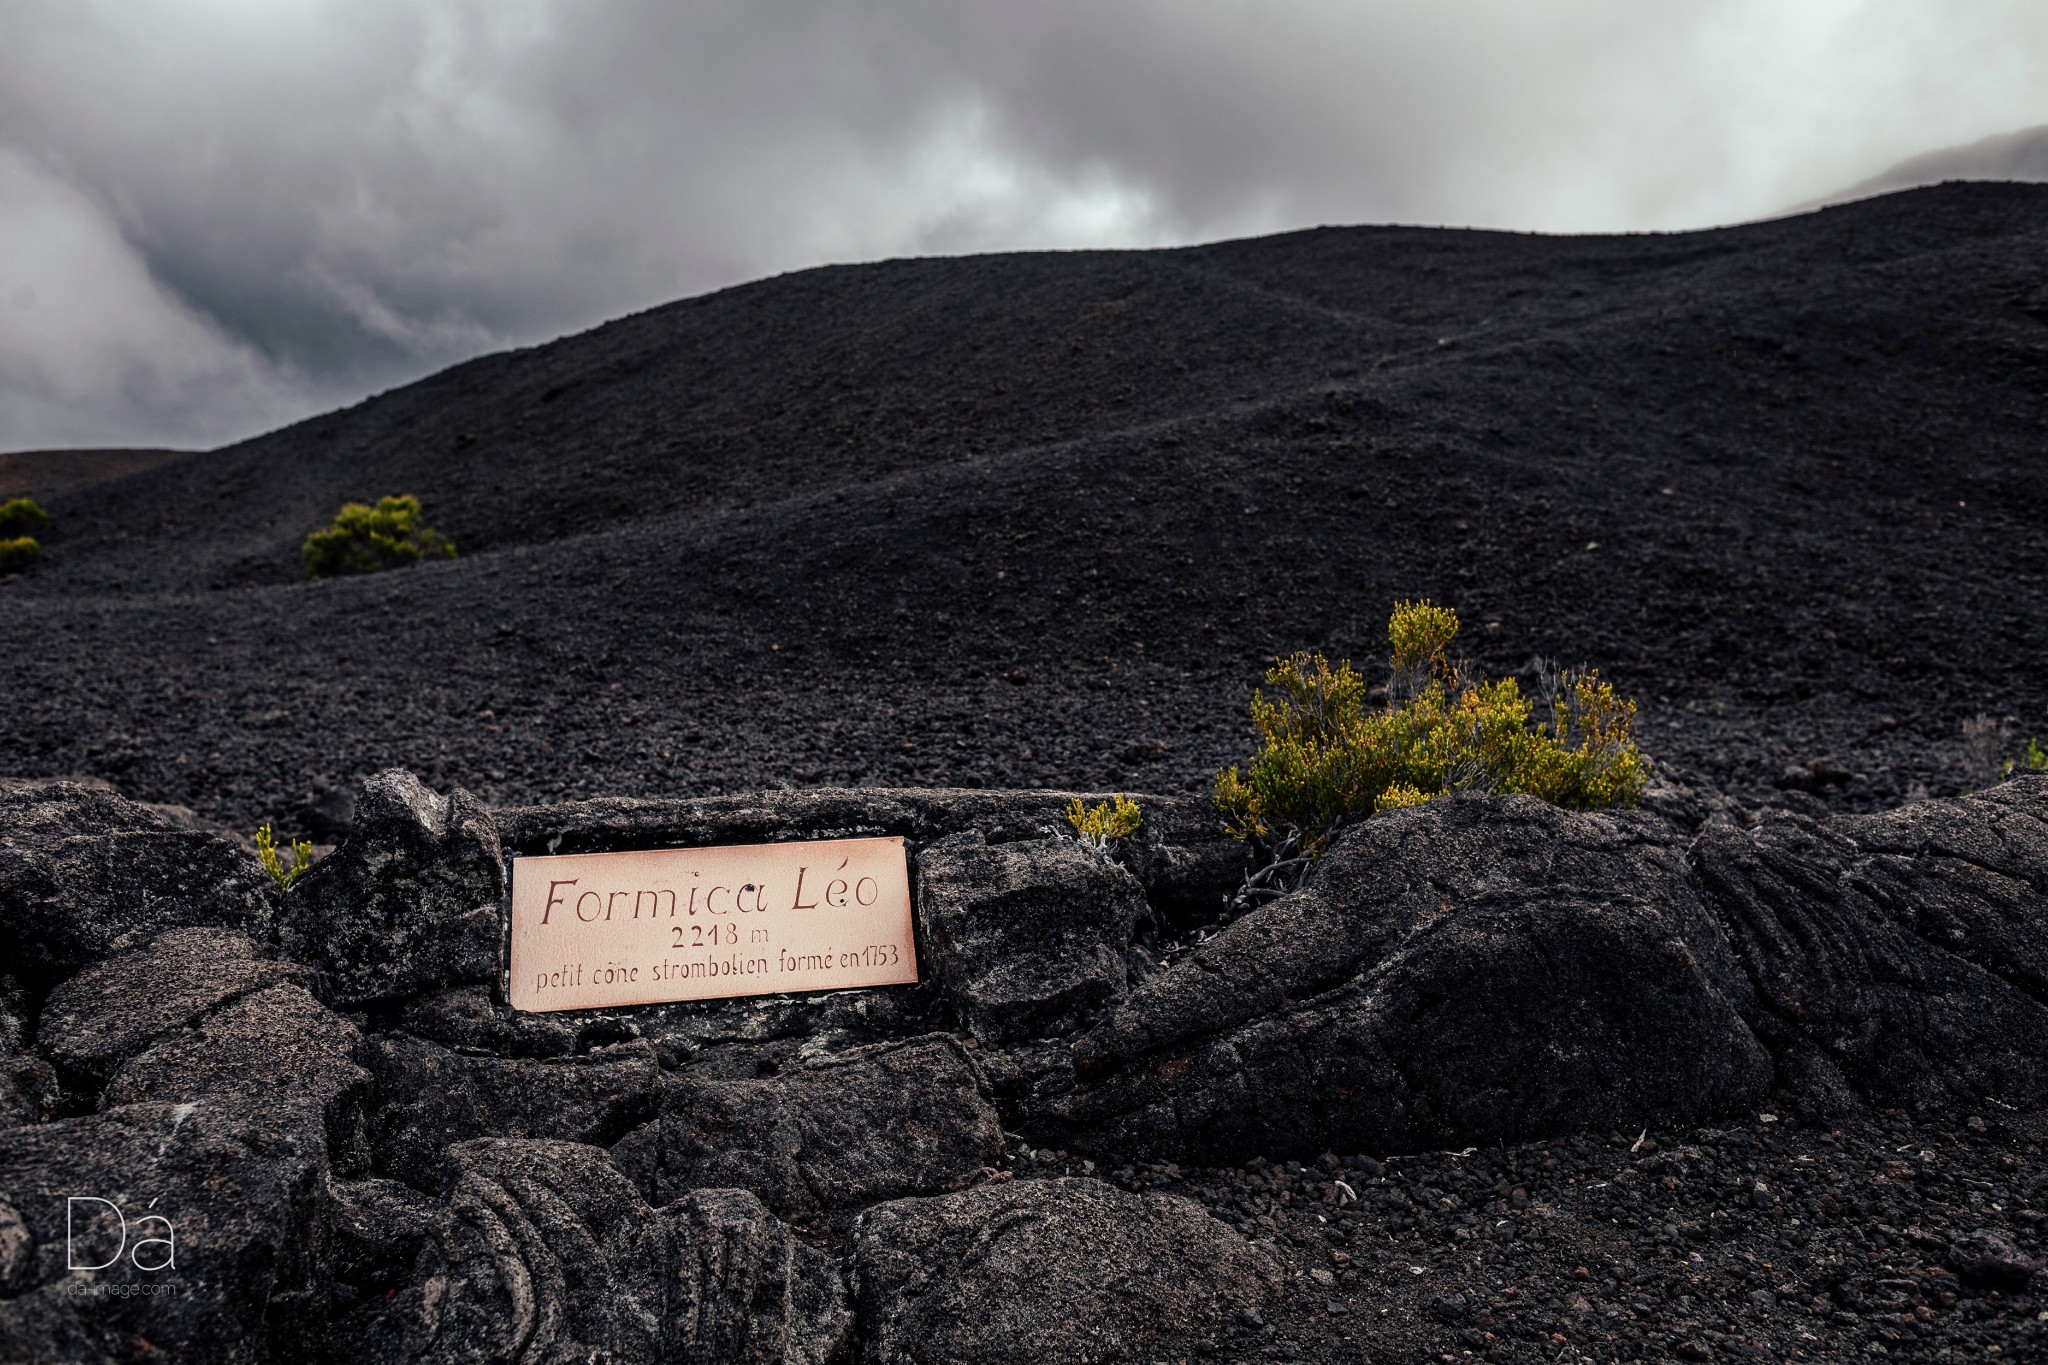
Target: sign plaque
596, 930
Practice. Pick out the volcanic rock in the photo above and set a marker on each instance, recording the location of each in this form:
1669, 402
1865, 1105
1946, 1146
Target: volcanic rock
28, 1084
466, 1017
276, 1046
1035, 1270
408, 904
85, 873
115, 1008
1902, 957
1027, 939
237, 1193
1989, 1258
429, 1098
1483, 967
541, 1250
837, 1132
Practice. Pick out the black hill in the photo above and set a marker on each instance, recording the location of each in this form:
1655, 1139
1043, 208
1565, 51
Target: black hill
1042, 519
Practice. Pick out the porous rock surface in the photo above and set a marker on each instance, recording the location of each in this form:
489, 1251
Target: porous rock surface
1030, 938
279, 1045
238, 1191
410, 902
85, 873
1496, 968
368, 1156
837, 1132
1902, 957
542, 1250
429, 1098
120, 1005
1471, 969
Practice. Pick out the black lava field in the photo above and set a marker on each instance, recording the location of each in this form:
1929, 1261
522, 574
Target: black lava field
1043, 520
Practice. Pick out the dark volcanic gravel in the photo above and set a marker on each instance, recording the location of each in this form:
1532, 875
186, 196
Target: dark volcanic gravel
1043, 519
1760, 1240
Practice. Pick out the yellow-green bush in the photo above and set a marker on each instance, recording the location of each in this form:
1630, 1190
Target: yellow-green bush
365, 539
1325, 758
273, 862
20, 518
2032, 759
20, 521
1105, 820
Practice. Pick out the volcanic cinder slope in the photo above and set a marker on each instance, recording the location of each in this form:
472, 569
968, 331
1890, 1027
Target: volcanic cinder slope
1043, 519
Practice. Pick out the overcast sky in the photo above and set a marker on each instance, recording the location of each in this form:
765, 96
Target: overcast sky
220, 215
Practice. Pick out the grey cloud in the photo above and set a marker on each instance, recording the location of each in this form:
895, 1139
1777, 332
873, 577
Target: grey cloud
324, 197
2007, 156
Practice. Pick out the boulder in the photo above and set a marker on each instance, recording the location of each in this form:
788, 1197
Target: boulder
232, 1194
1471, 969
541, 1250
743, 1289
377, 1229
116, 1008
1989, 1259
837, 1132
1035, 1270
468, 1019
409, 904
1901, 957
1027, 939
277, 1046
85, 873
429, 1098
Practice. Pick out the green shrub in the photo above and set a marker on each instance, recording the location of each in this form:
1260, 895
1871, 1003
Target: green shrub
366, 539
1104, 821
266, 850
1987, 746
2030, 760
1325, 759
21, 518
18, 553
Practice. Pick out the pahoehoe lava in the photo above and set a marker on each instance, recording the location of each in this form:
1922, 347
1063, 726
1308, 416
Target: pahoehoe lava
1042, 519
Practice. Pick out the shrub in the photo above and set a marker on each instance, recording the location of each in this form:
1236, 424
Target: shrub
366, 539
266, 850
1986, 741
1104, 821
1325, 759
18, 553
1987, 752
21, 518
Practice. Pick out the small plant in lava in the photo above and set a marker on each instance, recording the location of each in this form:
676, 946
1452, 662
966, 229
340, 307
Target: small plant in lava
273, 862
366, 539
1986, 741
1325, 759
21, 521
1106, 821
